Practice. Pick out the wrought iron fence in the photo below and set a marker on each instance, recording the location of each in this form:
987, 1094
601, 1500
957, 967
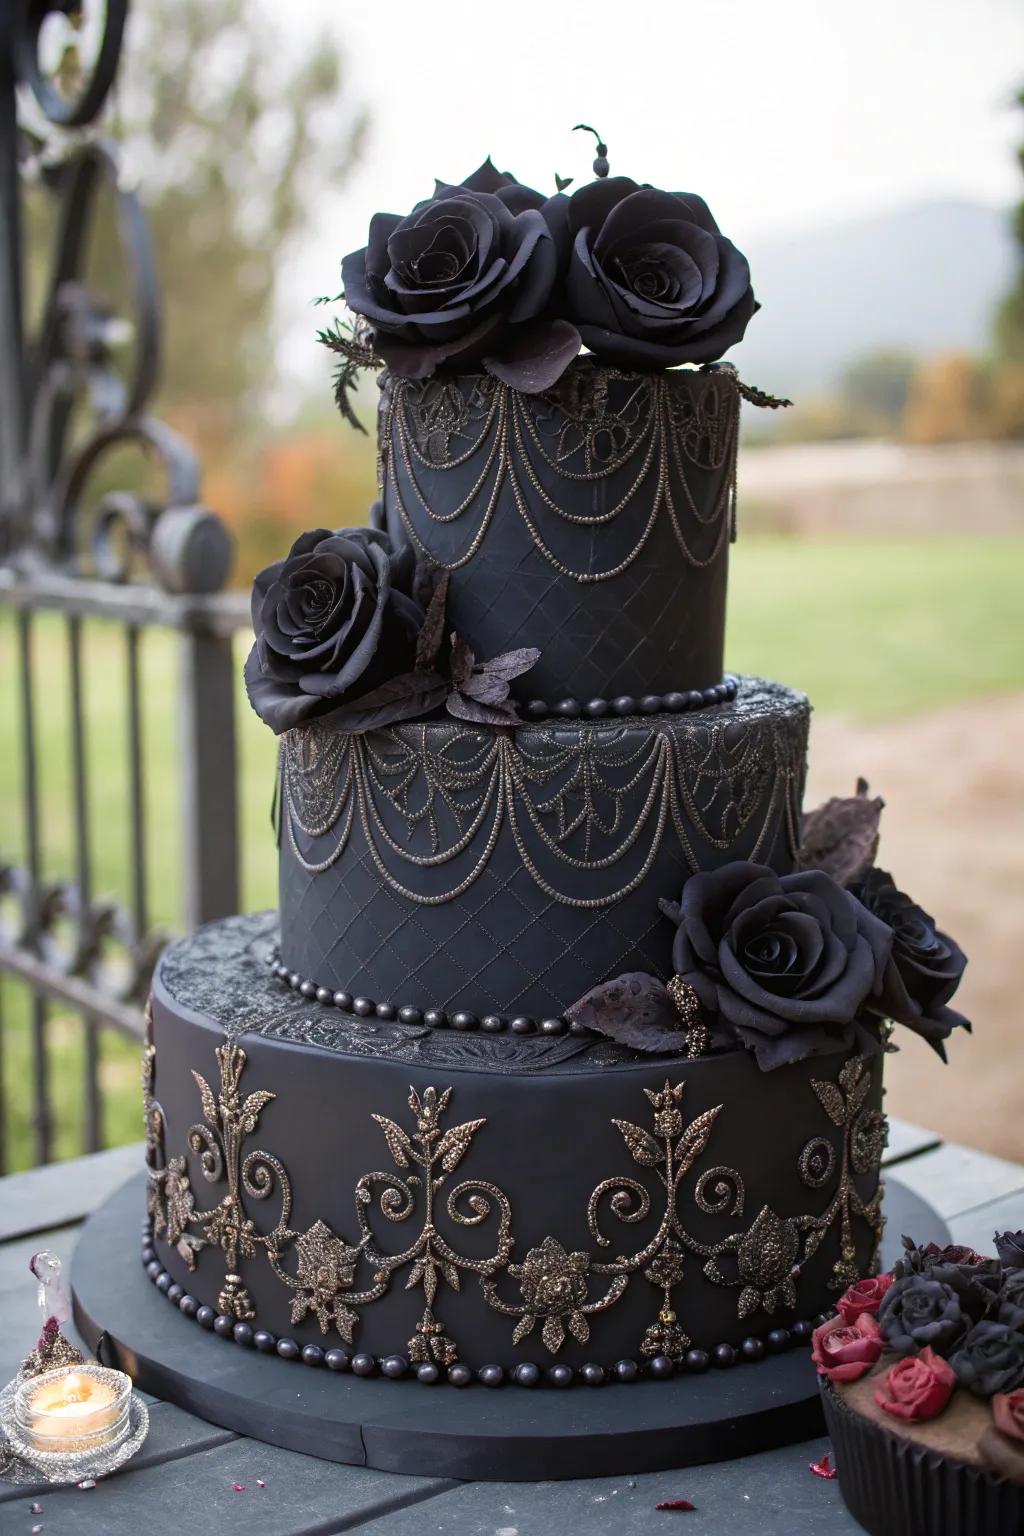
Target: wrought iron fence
70, 557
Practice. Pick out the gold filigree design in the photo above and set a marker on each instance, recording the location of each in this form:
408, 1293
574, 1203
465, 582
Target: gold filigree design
771, 1255
560, 1288
603, 803
687, 1005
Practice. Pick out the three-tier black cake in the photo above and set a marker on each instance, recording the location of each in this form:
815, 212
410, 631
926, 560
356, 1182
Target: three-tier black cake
562, 1061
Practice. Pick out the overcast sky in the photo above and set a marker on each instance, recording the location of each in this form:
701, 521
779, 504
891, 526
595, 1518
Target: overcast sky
781, 113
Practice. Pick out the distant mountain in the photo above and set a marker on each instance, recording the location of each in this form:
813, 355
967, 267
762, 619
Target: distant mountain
925, 277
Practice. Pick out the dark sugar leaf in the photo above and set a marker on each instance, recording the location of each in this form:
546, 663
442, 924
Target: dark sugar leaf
465, 707
462, 660
634, 1009
401, 698
511, 664
428, 641
841, 836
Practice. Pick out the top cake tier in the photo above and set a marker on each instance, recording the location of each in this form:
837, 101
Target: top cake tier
591, 521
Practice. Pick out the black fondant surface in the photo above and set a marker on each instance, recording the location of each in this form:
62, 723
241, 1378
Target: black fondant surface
508, 872
406, 1427
544, 1124
592, 522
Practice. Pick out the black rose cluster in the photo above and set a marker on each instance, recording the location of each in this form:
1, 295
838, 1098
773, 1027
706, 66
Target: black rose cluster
492, 274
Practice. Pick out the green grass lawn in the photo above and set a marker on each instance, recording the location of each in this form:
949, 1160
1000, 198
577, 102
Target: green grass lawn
868, 628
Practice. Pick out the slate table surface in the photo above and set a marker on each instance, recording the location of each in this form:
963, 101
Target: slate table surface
181, 1483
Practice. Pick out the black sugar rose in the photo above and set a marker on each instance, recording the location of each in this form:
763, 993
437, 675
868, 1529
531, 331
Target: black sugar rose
1011, 1298
920, 1312
464, 279
651, 280
926, 965
990, 1359
336, 628
784, 964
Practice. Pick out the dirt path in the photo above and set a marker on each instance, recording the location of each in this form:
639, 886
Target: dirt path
953, 837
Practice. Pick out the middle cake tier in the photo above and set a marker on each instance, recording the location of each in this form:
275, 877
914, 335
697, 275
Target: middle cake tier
502, 873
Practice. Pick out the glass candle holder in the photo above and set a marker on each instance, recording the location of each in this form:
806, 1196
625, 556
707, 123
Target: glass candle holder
72, 1411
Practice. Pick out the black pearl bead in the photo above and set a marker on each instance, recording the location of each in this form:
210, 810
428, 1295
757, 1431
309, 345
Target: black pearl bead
709, 695
802, 1328
552, 1026
428, 1373
697, 1360
527, 1374
674, 702
364, 1006
205, 1317
650, 704
394, 1367
323, 994
410, 1015
778, 1340
624, 705
694, 699
661, 1368
459, 1374
363, 1365
343, 1000
560, 1375
288, 1349
307, 988
522, 1026
568, 709
148, 1255
189, 1305
312, 1354
386, 1011
264, 1341
491, 1375
242, 1333
463, 1020
723, 1355
536, 709
164, 1281
154, 1269
492, 1023
625, 1370
174, 1293
224, 1325
294, 980
752, 1349
436, 1018
596, 708
823, 1318
592, 1374
337, 1360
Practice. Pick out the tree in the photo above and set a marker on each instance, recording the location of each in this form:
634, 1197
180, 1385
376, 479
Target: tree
232, 138
1009, 322
875, 388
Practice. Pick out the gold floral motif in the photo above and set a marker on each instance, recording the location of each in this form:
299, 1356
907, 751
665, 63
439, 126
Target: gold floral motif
687, 1005
559, 1288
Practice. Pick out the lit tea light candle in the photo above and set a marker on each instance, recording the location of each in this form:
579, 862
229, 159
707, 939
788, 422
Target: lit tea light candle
79, 1408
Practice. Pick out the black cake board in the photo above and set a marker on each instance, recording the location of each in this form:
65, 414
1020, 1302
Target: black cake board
506, 1434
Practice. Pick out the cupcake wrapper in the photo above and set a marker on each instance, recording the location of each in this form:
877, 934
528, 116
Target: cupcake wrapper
893, 1487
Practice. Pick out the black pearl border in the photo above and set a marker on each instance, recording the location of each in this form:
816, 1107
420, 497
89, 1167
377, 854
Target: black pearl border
418, 1018
626, 704
394, 1367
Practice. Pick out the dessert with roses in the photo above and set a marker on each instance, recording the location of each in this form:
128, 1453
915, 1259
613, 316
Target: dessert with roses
922, 1380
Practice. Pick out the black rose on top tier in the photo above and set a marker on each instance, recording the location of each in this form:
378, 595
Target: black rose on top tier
651, 280
336, 626
783, 965
926, 964
464, 279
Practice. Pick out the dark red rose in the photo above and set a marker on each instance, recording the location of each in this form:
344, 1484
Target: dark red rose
918, 1387
1008, 1413
782, 964
465, 279
846, 1351
864, 1296
651, 280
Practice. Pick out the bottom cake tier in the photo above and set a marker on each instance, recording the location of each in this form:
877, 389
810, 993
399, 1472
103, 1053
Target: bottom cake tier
378, 1196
